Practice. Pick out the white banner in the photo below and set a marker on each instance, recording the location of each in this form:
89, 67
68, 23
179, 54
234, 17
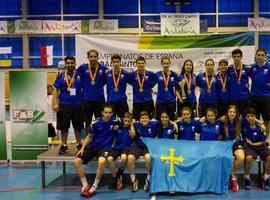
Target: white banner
28, 26
50, 26
3, 27
103, 26
258, 24
179, 23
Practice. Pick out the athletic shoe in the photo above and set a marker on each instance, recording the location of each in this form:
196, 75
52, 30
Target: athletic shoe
63, 149
134, 186
234, 185
92, 192
146, 185
79, 146
85, 191
247, 183
266, 184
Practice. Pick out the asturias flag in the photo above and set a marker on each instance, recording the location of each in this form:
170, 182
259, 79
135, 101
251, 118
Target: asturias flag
189, 166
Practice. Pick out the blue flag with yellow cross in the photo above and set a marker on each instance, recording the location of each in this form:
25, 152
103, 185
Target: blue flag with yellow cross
189, 166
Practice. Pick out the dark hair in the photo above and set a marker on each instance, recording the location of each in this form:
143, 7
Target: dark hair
116, 56
128, 115
92, 50
209, 59
186, 108
140, 58
165, 58
69, 58
144, 113
212, 110
261, 49
107, 106
250, 110
237, 51
164, 112
183, 67
223, 61
236, 122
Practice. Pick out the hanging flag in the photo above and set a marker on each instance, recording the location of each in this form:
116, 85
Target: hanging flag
46, 55
5, 56
189, 166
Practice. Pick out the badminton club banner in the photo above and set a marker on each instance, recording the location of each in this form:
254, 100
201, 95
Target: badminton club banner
179, 48
3, 147
28, 108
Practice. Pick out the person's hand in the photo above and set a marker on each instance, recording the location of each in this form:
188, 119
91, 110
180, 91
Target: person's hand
80, 153
56, 107
249, 141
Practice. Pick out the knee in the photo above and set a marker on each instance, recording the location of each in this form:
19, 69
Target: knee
147, 157
131, 159
110, 159
240, 158
77, 162
123, 157
249, 159
101, 162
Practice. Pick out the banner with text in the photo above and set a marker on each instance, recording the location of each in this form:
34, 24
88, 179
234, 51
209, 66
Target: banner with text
258, 24
179, 23
3, 146
28, 108
179, 48
103, 26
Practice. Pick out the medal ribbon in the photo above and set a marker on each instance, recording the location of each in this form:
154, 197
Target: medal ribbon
92, 76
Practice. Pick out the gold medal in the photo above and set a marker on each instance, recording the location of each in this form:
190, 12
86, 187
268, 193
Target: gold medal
238, 76
209, 83
93, 82
223, 89
68, 89
141, 81
189, 91
115, 89
166, 89
208, 90
188, 82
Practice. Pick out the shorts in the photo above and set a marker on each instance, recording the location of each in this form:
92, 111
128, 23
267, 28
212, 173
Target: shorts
69, 113
91, 153
137, 151
51, 130
262, 107
263, 151
115, 153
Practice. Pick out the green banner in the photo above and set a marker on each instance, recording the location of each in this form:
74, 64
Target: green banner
3, 146
28, 109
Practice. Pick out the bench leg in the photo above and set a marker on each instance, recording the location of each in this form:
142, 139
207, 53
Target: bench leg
43, 185
64, 167
259, 172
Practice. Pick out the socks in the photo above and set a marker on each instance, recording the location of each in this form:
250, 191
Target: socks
84, 182
132, 177
266, 176
246, 176
95, 185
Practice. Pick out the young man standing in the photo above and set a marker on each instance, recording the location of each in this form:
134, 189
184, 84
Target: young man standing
142, 82
260, 88
116, 87
67, 103
96, 144
238, 77
94, 78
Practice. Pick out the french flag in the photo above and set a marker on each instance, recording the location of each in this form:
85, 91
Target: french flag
46, 55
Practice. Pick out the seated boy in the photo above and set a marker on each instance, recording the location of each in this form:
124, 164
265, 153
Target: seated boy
255, 139
121, 147
96, 144
143, 128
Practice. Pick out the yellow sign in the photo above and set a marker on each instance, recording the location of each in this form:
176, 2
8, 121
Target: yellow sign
172, 160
